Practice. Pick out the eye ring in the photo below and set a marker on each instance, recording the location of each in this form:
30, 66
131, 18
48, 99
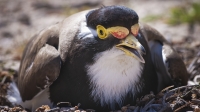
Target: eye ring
102, 32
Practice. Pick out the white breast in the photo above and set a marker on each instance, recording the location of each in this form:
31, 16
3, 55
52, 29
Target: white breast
113, 75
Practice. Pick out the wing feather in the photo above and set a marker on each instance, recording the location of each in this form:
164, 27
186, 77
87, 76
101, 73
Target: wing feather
40, 64
44, 55
169, 65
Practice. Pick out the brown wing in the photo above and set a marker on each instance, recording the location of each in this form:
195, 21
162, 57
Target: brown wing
42, 58
176, 66
40, 64
169, 65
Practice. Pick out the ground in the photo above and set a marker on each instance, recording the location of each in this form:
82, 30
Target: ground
21, 19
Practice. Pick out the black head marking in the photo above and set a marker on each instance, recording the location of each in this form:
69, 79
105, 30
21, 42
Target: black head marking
108, 16
112, 16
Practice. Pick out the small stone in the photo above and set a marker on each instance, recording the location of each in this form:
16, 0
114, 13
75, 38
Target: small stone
13, 65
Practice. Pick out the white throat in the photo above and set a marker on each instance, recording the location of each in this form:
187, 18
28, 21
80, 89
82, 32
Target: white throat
113, 75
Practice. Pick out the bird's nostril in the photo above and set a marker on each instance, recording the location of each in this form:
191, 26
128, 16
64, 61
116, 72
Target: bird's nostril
130, 42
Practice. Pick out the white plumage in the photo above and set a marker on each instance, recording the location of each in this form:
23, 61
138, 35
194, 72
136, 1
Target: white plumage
113, 75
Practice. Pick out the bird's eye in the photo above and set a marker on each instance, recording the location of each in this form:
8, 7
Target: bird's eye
102, 32
135, 29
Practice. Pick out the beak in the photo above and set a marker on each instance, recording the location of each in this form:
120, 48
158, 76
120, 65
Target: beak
132, 47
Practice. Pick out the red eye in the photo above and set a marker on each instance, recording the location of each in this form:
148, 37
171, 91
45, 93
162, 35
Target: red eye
135, 29
118, 32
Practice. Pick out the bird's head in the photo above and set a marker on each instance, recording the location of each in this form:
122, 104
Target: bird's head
116, 26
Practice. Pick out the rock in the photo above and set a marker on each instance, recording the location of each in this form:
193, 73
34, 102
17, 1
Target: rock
12, 65
24, 19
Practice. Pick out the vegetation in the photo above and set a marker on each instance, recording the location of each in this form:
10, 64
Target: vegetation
189, 13
185, 14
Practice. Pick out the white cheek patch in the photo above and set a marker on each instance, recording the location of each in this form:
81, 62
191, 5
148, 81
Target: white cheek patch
113, 75
84, 31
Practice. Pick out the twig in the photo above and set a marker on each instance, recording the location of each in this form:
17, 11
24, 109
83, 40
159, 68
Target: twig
148, 104
167, 88
178, 109
54, 109
4, 79
178, 88
197, 101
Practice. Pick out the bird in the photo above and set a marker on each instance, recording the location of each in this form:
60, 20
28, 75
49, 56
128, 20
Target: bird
102, 58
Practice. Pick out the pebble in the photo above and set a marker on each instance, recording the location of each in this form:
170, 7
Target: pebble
12, 65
